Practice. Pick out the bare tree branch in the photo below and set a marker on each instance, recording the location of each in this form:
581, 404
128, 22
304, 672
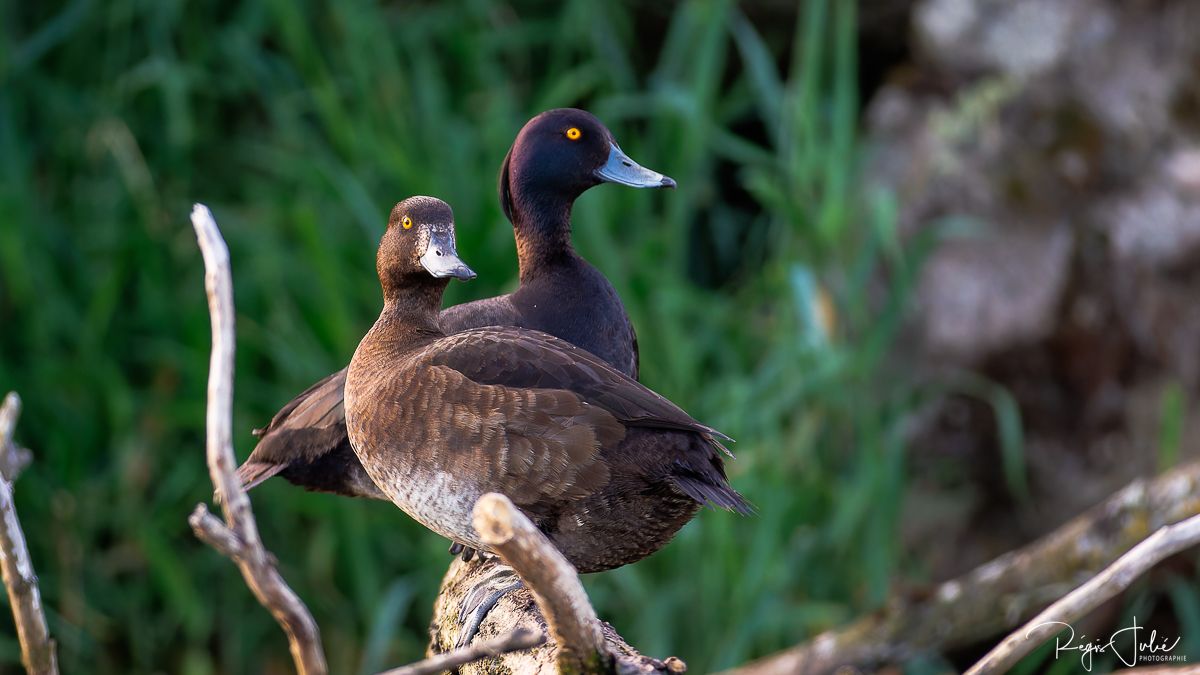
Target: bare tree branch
517, 609
14, 460
997, 596
37, 649
553, 581
210, 530
1163, 544
521, 638
256, 564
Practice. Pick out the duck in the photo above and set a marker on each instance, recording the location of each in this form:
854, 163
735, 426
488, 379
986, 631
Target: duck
606, 468
556, 157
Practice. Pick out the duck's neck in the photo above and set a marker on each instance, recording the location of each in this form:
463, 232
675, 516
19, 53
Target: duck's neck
411, 308
542, 226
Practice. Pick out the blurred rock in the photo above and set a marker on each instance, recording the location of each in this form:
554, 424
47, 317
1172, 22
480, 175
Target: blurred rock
1065, 135
1155, 227
1025, 37
1184, 170
984, 294
1041, 122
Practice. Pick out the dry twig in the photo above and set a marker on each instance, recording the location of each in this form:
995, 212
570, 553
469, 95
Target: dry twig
552, 580
521, 638
37, 648
240, 533
1163, 544
999, 595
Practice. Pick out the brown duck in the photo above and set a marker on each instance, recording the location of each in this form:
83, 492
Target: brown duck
556, 157
607, 468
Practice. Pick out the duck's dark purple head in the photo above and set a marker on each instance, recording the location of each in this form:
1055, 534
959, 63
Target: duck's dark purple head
419, 244
561, 153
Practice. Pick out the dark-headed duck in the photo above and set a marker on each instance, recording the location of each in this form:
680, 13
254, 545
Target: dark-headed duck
607, 468
556, 157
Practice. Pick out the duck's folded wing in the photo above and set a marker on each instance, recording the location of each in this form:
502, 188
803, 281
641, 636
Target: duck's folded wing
534, 445
318, 408
309, 427
523, 358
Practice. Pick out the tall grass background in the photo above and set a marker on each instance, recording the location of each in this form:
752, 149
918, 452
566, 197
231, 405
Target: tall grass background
755, 289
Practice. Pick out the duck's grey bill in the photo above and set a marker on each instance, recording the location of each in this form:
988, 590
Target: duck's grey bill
441, 260
620, 169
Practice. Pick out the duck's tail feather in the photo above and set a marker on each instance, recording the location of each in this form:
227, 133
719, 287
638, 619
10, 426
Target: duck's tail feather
253, 473
710, 490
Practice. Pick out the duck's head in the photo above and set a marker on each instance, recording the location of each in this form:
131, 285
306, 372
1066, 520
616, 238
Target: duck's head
419, 244
561, 153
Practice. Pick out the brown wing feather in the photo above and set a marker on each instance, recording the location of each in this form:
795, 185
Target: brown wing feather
306, 442
535, 445
310, 426
523, 358
253, 473
317, 408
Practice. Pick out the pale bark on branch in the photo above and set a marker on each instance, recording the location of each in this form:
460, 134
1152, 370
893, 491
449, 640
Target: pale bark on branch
996, 597
240, 532
552, 601
37, 648
518, 640
573, 624
518, 609
1161, 545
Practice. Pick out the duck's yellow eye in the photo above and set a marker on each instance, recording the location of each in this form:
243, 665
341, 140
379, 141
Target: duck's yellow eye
406, 223
574, 133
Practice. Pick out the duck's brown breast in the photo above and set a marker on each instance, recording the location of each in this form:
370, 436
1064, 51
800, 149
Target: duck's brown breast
434, 441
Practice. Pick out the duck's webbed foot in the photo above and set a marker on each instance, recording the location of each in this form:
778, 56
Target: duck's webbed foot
482, 598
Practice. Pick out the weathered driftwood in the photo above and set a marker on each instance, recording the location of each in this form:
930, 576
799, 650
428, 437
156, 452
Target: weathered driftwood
238, 536
996, 597
515, 641
517, 609
556, 589
579, 641
37, 648
1161, 545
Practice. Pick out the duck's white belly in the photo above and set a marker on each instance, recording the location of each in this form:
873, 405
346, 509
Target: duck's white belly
435, 499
